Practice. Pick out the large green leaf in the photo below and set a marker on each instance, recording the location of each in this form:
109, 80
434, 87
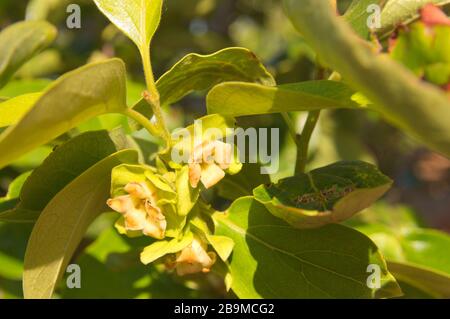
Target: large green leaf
65, 163
396, 12
63, 223
21, 41
197, 72
240, 99
326, 195
138, 19
418, 108
12, 110
273, 260
87, 92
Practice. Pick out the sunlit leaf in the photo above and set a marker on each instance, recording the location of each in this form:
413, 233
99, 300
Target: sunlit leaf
12, 110
239, 99
87, 92
138, 19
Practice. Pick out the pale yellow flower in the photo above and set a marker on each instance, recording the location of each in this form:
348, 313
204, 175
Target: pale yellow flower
140, 210
194, 259
208, 162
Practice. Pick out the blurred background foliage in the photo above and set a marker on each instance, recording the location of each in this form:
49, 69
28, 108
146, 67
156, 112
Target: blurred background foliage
422, 178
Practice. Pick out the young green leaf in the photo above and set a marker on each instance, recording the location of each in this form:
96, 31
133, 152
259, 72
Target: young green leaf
241, 99
12, 110
164, 247
187, 196
326, 195
20, 42
273, 260
197, 72
138, 19
63, 223
418, 108
87, 92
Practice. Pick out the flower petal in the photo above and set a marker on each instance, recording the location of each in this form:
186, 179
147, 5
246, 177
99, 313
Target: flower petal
211, 174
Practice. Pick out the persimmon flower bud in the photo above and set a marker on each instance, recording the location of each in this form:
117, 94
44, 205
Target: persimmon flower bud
194, 259
140, 210
208, 162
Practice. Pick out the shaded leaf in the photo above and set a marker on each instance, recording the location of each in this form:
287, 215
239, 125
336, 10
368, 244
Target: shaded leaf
197, 72
396, 12
325, 195
273, 260
357, 15
20, 42
63, 165
63, 223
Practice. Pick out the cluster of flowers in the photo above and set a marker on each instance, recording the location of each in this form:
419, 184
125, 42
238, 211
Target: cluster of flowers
147, 201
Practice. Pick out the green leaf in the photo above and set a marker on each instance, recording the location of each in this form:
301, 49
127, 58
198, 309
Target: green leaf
63, 165
77, 96
243, 183
222, 245
164, 247
434, 283
417, 246
20, 87
63, 223
138, 19
394, 91
396, 12
20, 42
111, 269
12, 110
325, 195
187, 196
16, 185
197, 72
357, 15
419, 255
273, 260
240, 99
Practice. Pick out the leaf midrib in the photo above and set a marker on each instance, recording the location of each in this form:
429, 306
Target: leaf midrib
245, 233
